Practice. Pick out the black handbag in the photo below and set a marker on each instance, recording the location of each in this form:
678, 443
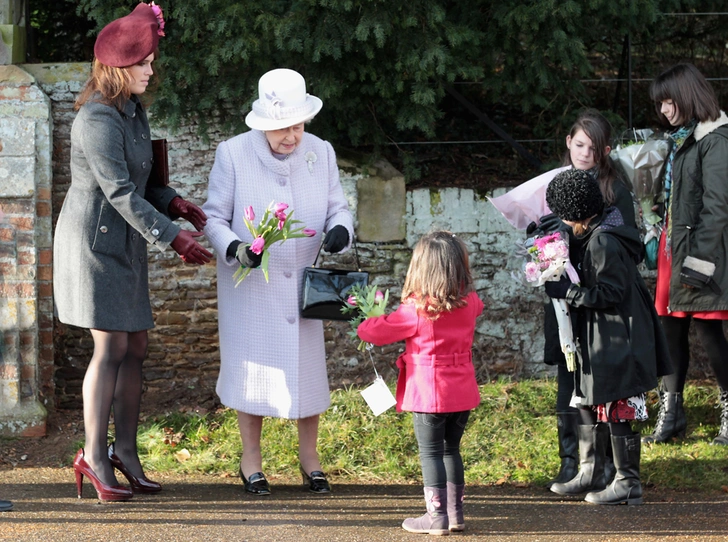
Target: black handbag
325, 290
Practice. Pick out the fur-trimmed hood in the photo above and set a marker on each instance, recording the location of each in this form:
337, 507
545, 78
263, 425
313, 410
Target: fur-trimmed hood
704, 128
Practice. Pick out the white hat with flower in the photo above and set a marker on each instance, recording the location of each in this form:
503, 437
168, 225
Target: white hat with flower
282, 101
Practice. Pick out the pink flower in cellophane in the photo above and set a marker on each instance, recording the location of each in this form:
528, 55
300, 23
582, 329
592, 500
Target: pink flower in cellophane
555, 250
533, 271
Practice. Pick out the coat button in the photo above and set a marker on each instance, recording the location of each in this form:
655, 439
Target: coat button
282, 181
287, 274
135, 140
291, 319
133, 115
133, 236
103, 229
144, 136
155, 232
141, 259
144, 165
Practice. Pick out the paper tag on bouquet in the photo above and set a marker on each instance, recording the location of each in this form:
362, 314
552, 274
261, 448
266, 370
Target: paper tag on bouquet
378, 396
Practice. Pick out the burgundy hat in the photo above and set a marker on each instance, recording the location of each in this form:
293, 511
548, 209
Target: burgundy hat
131, 39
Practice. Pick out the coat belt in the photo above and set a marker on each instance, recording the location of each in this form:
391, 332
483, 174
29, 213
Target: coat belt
441, 359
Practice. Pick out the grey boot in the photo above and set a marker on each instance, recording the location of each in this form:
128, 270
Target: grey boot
626, 487
671, 420
722, 438
455, 516
435, 520
567, 424
5, 506
592, 445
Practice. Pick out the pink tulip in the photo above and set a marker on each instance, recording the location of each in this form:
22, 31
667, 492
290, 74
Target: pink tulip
249, 214
308, 232
258, 245
379, 296
351, 300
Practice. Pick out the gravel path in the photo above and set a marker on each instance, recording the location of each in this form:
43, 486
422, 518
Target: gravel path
211, 508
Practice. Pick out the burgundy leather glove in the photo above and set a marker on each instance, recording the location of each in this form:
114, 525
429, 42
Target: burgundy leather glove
190, 250
189, 211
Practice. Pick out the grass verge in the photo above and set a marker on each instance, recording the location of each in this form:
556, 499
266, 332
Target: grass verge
511, 438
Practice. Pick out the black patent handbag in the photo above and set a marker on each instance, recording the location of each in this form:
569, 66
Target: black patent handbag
325, 290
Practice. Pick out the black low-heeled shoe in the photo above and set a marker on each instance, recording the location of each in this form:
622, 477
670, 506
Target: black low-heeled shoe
316, 481
257, 485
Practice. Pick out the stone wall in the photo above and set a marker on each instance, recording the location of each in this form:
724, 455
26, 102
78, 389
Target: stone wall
183, 354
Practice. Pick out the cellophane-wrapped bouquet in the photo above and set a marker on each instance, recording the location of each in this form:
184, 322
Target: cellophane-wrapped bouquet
547, 259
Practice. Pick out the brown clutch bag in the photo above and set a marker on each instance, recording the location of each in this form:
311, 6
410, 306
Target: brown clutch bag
160, 164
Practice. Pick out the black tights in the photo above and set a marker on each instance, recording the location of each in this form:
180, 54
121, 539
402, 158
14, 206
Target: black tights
588, 417
711, 336
113, 377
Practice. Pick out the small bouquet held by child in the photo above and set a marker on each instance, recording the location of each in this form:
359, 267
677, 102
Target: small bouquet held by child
274, 226
547, 259
365, 302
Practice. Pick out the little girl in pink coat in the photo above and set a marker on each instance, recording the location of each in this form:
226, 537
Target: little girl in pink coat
436, 376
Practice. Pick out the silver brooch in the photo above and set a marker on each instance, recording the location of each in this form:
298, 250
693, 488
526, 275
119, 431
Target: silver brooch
310, 157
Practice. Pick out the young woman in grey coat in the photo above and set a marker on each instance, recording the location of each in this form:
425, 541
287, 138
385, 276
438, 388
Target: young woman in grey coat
108, 217
692, 261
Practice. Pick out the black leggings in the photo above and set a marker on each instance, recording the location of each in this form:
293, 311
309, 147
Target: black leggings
711, 336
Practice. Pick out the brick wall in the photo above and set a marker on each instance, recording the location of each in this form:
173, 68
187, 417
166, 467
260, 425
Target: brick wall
26, 346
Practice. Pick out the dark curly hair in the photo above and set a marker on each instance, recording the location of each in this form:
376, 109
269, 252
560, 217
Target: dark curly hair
574, 195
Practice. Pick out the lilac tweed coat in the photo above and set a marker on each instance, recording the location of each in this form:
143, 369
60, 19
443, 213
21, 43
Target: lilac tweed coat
273, 362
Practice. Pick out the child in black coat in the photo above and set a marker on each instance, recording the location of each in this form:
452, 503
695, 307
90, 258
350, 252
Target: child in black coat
621, 344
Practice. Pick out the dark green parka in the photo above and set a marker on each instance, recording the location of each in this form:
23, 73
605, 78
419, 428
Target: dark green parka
699, 214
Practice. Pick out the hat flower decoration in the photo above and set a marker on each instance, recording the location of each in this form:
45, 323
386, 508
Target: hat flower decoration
160, 18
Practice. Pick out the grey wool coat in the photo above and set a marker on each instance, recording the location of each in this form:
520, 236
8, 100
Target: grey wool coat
108, 217
272, 362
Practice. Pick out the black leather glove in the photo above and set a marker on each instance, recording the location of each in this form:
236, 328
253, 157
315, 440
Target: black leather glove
243, 254
697, 273
549, 223
336, 239
557, 289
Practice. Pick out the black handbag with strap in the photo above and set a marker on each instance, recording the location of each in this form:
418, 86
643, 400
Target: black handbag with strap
325, 290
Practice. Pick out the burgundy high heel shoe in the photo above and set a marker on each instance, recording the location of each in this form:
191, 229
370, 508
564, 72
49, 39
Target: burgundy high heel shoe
138, 485
105, 493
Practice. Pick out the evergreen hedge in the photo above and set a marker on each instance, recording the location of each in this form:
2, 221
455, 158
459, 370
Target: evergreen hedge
382, 67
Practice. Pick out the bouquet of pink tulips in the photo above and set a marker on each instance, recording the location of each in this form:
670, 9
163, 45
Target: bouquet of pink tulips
365, 302
275, 226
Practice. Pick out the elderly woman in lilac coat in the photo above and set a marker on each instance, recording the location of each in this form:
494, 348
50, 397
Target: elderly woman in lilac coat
273, 362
